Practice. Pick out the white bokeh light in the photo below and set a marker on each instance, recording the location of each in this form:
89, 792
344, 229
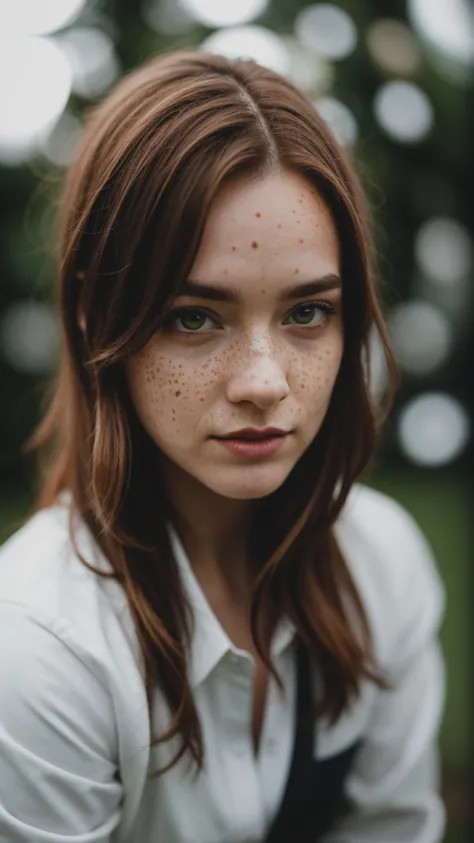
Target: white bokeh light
229, 13
421, 336
35, 83
447, 25
403, 111
93, 59
310, 73
60, 145
339, 118
375, 367
38, 17
29, 336
443, 250
327, 30
393, 46
433, 429
255, 42
168, 17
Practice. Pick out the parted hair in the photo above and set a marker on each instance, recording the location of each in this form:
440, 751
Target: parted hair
150, 161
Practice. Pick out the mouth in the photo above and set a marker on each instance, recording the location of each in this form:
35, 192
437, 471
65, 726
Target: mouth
254, 434
254, 444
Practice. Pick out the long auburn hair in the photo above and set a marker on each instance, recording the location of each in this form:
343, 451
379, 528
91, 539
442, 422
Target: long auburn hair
133, 209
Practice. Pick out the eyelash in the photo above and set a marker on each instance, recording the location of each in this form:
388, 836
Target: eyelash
325, 307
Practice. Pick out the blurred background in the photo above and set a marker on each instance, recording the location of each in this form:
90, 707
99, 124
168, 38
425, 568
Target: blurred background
393, 80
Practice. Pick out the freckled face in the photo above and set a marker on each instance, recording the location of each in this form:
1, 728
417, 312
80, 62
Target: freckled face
262, 360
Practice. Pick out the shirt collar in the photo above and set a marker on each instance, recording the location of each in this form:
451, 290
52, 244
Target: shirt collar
210, 643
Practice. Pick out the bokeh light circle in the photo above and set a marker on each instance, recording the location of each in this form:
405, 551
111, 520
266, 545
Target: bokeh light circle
339, 118
38, 17
255, 42
168, 17
327, 30
35, 84
29, 336
310, 73
393, 46
92, 56
433, 429
421, 336
403, 111
60, 145
443, 250
217, 13
447, 25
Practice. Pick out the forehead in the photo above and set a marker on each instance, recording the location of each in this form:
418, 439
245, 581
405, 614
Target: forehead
275, 228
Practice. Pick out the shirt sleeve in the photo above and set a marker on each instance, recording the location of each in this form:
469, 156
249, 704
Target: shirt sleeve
58, 776
393, 789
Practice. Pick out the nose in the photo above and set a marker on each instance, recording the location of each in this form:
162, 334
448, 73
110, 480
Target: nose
259, 377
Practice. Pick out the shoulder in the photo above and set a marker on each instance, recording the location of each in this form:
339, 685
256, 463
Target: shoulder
69, 654
393, 567
41, 574
39, 567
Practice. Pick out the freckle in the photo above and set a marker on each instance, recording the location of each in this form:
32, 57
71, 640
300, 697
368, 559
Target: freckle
233, 248
279, 225
258, 214
296, 271
254, 244
301, 240
225, 271
293, 211
263, 291
298, 222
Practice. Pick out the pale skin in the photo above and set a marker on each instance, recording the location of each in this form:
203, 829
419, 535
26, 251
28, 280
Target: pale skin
262, 360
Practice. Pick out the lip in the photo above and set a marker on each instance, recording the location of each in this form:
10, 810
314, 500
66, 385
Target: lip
255, 433
255, 447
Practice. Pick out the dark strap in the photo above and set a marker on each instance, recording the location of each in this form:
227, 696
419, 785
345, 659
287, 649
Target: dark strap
313, 797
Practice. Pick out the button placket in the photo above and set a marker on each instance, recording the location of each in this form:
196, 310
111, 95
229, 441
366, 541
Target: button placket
240, 703
245, 801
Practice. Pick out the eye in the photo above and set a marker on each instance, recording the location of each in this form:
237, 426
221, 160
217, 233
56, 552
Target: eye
192, 319
311, 314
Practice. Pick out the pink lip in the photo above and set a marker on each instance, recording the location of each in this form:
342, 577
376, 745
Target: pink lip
253, 448
254, 433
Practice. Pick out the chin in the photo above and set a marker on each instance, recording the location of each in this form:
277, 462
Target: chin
250, 483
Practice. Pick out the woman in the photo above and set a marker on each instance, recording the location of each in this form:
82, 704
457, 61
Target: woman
209, 632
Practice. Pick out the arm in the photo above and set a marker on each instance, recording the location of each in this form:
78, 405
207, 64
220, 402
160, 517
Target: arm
393, 788
57, 739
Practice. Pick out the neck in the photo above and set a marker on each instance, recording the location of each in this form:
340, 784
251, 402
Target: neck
214, 531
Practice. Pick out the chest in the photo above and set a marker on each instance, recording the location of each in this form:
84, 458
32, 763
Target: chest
237, 627
240, 792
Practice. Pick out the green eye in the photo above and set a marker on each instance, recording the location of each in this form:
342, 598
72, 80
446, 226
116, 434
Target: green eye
304, 314
188, 320
192, 320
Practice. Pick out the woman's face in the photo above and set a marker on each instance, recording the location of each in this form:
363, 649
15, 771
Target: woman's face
255, 351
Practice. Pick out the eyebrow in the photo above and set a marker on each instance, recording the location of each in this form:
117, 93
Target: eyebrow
323, 284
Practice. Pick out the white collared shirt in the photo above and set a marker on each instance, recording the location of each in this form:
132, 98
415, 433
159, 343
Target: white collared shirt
74, 726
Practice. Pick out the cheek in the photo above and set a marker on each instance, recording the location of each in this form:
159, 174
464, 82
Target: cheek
315, 373
166, 390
